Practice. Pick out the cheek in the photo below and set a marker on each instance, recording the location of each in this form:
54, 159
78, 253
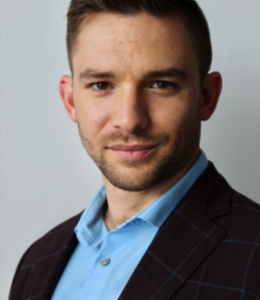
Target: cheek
173, 116
92, 117
170, 115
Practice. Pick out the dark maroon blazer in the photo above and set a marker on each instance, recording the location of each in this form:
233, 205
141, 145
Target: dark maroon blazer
208, 248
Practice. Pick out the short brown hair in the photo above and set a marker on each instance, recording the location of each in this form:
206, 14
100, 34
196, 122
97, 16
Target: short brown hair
188, 10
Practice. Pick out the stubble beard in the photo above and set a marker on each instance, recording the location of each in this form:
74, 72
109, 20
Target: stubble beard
167, 165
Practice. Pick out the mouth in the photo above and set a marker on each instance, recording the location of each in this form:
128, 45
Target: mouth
132, 152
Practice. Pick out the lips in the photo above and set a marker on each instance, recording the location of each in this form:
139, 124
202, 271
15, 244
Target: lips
132, 152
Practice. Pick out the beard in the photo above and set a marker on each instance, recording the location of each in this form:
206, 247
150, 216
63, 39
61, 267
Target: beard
173, 156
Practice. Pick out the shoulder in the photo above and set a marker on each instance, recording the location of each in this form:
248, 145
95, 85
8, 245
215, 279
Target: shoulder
243, 203
44, 260
241, 245
224, 196
245, 218
55, 237
61, 228
238, 215
58, 233
49, 244
242, 214
245, 211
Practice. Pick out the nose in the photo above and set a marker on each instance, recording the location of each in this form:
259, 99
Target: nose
130, 112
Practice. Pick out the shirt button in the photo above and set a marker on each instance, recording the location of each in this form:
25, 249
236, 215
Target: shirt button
105, 261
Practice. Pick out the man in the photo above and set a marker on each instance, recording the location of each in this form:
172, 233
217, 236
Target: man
166, 224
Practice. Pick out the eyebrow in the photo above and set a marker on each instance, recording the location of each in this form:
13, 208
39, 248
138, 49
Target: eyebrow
93, 73
169, 72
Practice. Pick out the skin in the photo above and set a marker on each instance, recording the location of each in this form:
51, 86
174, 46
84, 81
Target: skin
138, 100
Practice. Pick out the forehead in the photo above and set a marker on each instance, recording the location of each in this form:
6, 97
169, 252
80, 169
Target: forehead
133, 42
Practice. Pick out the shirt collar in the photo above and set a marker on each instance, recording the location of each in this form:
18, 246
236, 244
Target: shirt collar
90, 229
157, 212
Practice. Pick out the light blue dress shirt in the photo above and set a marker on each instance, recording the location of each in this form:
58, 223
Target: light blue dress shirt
103, 261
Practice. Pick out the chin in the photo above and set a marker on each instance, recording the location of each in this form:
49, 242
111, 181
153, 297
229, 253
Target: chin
135, 178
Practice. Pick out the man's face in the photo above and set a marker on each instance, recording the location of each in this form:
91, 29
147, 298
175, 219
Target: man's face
137, 97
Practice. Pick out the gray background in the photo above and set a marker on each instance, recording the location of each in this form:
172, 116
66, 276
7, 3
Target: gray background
46, 175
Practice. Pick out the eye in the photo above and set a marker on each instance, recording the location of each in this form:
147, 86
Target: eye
162, 84
100, 85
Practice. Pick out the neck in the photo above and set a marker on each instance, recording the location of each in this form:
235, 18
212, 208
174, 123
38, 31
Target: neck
123, 205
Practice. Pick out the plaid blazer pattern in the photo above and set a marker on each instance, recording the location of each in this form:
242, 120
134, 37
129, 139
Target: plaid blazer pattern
208, 248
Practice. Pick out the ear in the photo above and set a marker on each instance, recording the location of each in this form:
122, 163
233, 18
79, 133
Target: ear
211, 90
65, 90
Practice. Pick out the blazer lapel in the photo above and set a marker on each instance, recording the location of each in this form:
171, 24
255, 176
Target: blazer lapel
183, 242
